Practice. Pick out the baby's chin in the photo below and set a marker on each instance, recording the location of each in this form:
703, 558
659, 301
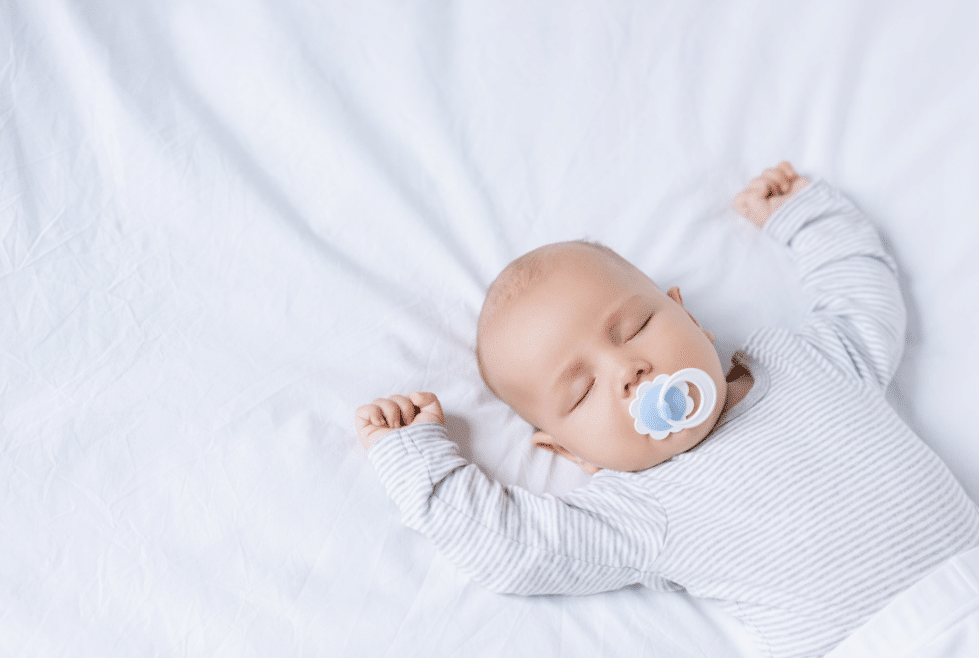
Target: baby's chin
659, 451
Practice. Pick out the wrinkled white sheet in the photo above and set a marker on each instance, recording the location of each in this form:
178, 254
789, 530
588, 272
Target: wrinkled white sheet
937, 617
225, 224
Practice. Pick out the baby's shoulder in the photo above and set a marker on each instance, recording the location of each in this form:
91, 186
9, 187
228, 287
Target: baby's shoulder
788, 355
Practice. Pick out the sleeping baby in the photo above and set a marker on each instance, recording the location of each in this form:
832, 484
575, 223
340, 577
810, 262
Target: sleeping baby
785, 488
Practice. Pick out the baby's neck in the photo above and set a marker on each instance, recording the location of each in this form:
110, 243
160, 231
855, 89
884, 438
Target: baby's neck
739, 382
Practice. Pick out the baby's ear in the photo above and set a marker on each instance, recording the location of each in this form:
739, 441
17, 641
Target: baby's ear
546, 441
674, 294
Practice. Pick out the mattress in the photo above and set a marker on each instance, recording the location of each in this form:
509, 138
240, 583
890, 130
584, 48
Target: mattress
225, 225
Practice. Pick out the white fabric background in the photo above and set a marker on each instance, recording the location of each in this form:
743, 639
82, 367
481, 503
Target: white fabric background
226, 224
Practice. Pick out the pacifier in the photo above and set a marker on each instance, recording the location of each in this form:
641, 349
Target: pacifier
661, 406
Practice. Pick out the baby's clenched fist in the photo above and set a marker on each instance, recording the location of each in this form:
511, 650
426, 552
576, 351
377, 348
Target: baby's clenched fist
767, 192
376, 419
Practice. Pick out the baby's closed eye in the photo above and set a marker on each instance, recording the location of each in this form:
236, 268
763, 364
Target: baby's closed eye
580, 396
642, 326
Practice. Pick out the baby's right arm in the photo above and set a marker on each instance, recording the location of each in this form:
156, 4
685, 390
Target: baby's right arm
506, 538
376, 419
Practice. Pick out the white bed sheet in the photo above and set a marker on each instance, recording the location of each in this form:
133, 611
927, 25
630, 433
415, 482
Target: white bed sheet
224, 225
937, 617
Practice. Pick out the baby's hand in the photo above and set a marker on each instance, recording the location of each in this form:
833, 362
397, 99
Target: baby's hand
385, 414
767, 192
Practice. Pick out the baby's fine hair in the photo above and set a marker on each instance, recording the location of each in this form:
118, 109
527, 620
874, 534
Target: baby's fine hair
521, 274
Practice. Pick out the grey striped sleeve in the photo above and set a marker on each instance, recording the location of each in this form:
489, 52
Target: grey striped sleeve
506, 538
855, 317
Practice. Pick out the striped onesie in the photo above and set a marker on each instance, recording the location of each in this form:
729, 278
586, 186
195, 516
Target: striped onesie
808, 507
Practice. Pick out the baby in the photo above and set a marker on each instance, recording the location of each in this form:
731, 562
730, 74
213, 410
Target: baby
801, 502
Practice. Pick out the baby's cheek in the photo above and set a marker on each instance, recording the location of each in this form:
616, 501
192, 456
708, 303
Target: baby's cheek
590, 434
622, 442
608, 437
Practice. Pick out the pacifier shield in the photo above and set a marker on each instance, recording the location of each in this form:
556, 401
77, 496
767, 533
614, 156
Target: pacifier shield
664, 406
656, 418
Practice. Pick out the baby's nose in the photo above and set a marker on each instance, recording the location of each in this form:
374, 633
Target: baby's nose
633, 377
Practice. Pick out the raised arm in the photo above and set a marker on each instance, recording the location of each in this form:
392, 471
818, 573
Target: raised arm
505, 538
855, 316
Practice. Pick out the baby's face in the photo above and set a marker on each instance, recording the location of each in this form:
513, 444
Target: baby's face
568, 354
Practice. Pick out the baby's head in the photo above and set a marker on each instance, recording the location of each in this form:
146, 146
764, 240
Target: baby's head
568, 332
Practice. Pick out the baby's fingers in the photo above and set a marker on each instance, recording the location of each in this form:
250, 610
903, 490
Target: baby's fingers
390, 413
788, 170
364, 417
430, 409
772, 182
781, 179
370, 424
754, 206
369, 417
407, 408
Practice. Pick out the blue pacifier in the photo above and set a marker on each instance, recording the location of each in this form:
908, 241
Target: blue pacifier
663, 405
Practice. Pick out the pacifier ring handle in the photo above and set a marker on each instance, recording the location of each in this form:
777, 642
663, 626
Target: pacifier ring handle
708, 395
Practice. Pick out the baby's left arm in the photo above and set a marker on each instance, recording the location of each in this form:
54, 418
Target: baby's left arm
766, 193
855, 316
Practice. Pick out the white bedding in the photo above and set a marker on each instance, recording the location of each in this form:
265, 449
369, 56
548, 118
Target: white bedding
226, 224
937, 617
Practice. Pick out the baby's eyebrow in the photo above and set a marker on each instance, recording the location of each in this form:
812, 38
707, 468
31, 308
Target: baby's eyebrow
615, 317
568, 374
564, 380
